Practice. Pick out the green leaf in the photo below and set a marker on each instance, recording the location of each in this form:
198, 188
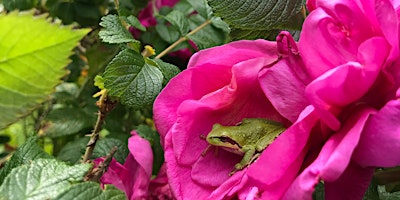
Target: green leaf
25, 154
258, 15
33, 57
201, 7
168, 70
167, 33
133, 21
114, 31
41, 179
178, 20
134, 81
19, 4
92, 190
73, 151
208, 36
67, 121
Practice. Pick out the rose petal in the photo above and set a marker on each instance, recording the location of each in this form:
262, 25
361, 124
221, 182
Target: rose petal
333, 159
380, 138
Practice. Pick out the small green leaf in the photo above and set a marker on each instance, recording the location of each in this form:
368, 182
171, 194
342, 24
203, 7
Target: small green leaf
92, 190
201, 7
168, 70
133, 21
41, 179
67, 121
99, 82
114, 32
25, 154
258, 15
178, 20
208, 36
134, 81
19, 4
167, 33
33, 57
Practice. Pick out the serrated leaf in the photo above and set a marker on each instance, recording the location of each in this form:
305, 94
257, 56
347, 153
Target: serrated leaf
114, 32
66, 121
133, 21
134, 81
92, 190
73, 151
168, 70
178, 20
33, 57
25, 154
41, 179
258, 15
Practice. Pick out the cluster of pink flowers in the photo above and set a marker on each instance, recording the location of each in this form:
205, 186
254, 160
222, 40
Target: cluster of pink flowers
337, 92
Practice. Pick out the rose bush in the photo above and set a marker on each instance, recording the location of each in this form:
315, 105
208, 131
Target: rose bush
221, 85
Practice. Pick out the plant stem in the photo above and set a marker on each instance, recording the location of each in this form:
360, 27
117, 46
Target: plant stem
105, 106
182, 39
96, 173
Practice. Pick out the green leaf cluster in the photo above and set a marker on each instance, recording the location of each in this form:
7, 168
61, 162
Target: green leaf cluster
252, 19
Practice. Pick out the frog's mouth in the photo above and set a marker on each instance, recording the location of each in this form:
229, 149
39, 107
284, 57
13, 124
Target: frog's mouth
224, 141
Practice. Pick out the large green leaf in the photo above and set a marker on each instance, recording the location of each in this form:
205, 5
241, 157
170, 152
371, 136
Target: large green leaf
41, 179
258, 15
135, 81
33, 56
92, 190
25, 154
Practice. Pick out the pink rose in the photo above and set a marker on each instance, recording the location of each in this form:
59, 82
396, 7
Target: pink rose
221, 85
351, 51
134, 176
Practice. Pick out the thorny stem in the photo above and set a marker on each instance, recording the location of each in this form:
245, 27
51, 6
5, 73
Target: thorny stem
96, 173
105, 106
182, 39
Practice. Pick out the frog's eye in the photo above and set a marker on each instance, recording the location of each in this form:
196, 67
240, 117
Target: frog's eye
224, 139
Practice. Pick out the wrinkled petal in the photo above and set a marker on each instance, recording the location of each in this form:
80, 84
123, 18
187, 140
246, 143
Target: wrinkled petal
272, 172
181, 183
159, 187
333, 159
380, 138
345, 84
332, 34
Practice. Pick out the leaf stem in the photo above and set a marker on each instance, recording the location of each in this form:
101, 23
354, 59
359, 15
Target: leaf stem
182, 39
96, 173
105, 106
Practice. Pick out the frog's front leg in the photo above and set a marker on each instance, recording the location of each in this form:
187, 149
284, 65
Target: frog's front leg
249, 151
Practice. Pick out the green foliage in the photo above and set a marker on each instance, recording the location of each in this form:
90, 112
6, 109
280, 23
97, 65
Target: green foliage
25, 154
114, 31
91, 190
41, 179
252, 18
132, 79
72, 152
34, 54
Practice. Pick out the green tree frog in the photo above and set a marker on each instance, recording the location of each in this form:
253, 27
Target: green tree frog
248, 138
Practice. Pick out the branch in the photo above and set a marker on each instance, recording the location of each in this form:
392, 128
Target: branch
182, 39
96, 173
105, 106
